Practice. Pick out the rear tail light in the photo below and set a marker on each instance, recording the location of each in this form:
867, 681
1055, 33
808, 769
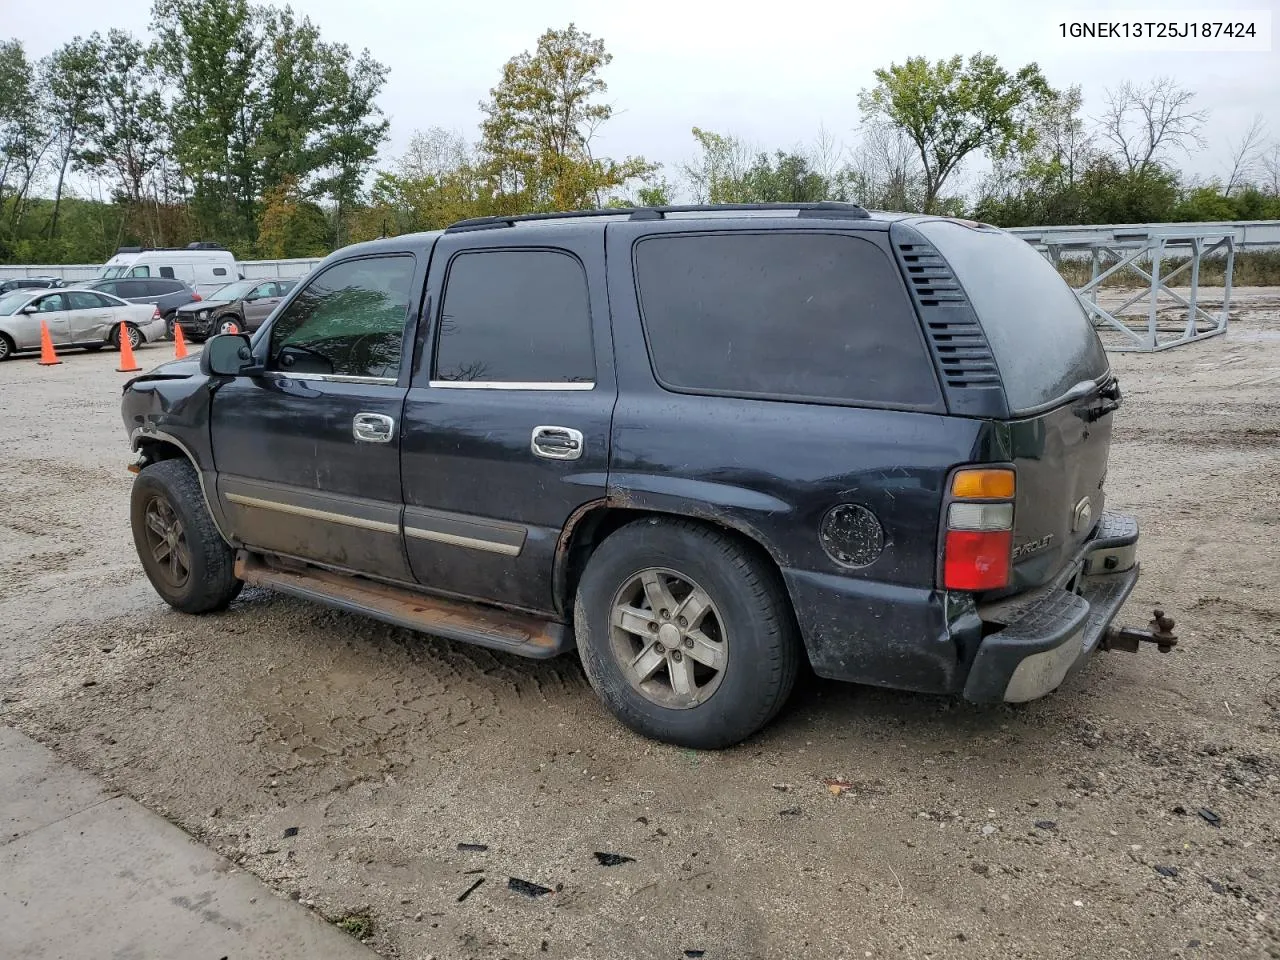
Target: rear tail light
156, 314
196, 298
979, 537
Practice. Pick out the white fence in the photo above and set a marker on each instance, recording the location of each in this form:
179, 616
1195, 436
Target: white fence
252, 269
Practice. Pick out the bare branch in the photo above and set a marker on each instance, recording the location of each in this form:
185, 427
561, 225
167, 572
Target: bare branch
1145, 123
1246, 154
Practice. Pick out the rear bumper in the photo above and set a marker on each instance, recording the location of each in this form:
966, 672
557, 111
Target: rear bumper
1044, 635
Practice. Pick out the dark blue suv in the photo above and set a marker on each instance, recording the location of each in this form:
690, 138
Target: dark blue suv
697, 445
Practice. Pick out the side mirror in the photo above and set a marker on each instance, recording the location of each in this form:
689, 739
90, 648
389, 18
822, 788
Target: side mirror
30, 308
228, 355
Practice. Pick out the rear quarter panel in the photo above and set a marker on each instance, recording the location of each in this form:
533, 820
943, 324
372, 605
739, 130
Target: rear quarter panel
772, 470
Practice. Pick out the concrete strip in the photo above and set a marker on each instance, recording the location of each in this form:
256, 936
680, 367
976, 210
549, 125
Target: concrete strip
87, 876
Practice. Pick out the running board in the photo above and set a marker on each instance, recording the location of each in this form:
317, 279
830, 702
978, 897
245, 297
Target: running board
523, 634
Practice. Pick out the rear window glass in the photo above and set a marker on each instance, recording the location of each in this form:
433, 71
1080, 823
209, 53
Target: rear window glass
1042, 339
802, 316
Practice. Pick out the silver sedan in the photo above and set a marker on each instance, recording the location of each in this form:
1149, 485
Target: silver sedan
75, 318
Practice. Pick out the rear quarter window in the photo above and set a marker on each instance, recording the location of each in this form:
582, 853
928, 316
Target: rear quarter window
782, 315
1042, 339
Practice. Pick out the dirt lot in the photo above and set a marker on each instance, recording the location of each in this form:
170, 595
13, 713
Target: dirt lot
1042, 831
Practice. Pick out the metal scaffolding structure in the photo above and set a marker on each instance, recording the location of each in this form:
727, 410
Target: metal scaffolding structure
1111, 250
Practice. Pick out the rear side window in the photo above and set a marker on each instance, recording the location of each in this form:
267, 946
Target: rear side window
799, 316
219, 271
1042, 340
515, 316
166, 272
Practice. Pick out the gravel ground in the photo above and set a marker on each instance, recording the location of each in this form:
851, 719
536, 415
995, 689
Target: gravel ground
1071, 827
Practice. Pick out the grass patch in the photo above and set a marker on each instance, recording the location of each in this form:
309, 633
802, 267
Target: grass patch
359, 925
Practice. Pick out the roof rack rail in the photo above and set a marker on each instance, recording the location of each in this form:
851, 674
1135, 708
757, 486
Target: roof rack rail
823, 208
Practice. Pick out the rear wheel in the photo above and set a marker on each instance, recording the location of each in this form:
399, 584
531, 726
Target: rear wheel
6, 347
685, 633
135, 336
184, 556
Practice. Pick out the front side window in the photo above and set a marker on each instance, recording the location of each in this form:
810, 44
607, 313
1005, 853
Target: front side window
53, 304
786, 315
263, 290
140, 272
348, 321
515, 316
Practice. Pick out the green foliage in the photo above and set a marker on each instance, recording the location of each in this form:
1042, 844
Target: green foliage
950, 110
539, 123
291, 226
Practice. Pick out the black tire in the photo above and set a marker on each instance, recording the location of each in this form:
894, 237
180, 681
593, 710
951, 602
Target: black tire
135, 336
210, 582
761, 646
232, 320
93, 347
6, 348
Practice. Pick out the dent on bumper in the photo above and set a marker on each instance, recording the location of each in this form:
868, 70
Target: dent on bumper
1055, 635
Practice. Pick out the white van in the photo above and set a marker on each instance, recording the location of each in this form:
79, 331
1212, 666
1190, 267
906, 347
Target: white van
205, 266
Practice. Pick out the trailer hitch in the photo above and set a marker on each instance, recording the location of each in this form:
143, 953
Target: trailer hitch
1159, 631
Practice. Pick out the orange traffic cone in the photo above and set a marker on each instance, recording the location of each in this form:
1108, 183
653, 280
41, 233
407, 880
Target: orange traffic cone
179, 344
47, 355
127, 363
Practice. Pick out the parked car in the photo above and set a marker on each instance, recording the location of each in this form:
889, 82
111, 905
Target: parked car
238, 307
202, 265
168, 295
29, 283
695, 444
75, 318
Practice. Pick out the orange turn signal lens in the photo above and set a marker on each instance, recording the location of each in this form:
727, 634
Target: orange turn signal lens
983, 484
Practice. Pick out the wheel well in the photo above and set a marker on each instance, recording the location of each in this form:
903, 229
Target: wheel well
9, 340
153, 451
597, 524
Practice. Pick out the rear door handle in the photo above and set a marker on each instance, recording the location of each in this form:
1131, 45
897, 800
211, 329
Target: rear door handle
556, 443
373, 427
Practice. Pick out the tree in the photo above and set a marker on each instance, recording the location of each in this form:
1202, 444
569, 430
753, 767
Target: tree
209, 52
292, 62
24, 134
1144, 123
718, 174
74, 94
291, 226
129, 143
1246, 155
884, 170
951, 110
352, 128
539, 123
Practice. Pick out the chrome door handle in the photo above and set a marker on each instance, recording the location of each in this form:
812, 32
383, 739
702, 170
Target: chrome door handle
373, 427
556, 443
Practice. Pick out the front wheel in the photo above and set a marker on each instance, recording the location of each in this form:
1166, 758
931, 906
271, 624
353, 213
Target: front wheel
229, 325
184, 556
686, 633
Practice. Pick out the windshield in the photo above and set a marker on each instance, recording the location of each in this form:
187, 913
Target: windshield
10, 302
233, 291
110, 273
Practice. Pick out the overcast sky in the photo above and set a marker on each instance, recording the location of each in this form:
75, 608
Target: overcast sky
771, 73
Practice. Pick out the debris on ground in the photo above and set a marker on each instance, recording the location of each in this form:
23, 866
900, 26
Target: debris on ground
470, 890
782, 787
290, 832
473, 847
1167, 871
790, 812
837, 786
1046, 825
525, 887
988, 829
694, 954
1210, 817
613, 859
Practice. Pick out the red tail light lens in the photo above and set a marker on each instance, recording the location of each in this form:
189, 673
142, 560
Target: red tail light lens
977, 559
195, 298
